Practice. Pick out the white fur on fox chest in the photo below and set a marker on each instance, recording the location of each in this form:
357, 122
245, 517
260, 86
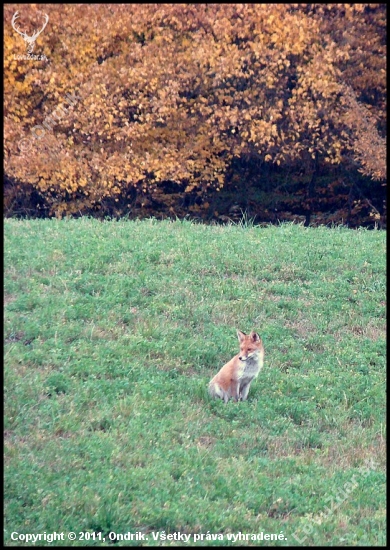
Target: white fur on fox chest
249, 369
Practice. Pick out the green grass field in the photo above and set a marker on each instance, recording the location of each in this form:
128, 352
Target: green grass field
112, 333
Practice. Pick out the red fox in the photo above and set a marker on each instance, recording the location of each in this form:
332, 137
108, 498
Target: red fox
234, 378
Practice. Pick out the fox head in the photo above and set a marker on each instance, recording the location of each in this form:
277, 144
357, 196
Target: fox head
250, 345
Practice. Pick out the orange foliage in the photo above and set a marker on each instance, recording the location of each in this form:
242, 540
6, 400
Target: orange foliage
134, 95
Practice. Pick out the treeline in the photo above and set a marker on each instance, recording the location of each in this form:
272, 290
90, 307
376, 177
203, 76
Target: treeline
277, 110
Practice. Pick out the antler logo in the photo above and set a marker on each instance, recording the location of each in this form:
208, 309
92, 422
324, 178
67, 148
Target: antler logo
30, 40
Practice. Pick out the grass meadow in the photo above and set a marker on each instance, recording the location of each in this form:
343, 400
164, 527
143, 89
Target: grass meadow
112, 332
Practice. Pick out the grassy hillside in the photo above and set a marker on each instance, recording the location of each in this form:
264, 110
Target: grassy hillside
112, 332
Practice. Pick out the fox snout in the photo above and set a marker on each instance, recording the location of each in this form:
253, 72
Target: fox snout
246, 356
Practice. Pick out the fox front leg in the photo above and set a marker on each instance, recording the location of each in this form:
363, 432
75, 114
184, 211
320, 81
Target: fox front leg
235, 388
245, 391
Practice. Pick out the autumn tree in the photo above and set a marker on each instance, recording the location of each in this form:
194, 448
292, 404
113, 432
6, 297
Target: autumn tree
137, 99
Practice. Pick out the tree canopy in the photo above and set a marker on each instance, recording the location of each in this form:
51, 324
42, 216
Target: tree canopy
129, 97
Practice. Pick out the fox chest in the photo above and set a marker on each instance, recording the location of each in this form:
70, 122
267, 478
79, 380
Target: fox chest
248, 371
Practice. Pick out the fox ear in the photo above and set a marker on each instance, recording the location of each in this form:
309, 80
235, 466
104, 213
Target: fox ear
241, 335
255, 337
